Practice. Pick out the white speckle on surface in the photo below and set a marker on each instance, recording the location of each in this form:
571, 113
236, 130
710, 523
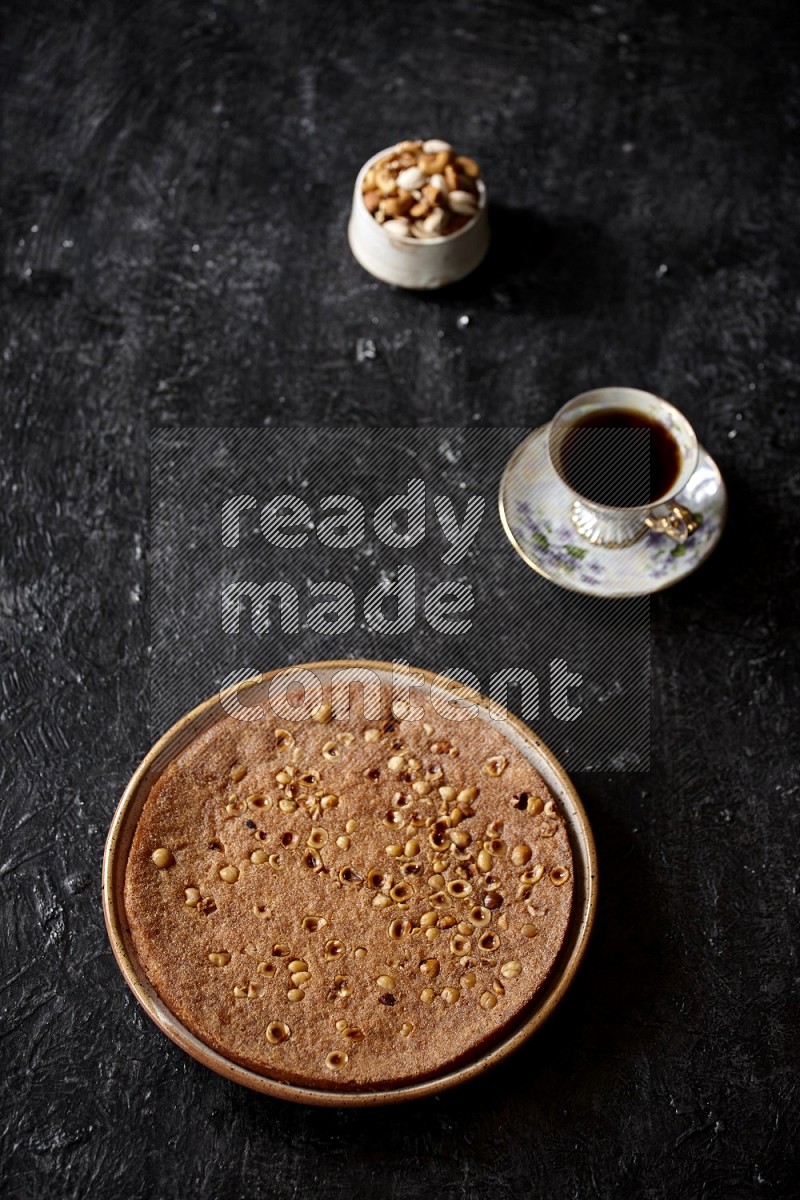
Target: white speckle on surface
67, 243
34, 228
661, 269
365, 350
628, 147
731, 433
195, 247
463, 321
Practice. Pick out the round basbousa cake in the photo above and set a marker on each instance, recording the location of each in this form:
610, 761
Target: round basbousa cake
345, 903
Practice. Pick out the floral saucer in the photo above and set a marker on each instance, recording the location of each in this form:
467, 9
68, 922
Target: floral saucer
535, 511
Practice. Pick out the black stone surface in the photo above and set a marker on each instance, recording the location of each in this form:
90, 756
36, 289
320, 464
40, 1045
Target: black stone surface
175, 190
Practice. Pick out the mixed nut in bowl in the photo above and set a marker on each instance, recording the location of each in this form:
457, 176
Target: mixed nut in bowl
344, 906
419, 217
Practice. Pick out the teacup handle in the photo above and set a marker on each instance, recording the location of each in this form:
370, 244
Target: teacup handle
678, 523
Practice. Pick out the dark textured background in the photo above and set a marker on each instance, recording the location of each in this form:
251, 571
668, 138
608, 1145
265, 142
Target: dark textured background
175, 190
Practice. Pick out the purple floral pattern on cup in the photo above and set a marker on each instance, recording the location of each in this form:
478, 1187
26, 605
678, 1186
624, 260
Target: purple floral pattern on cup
535, 510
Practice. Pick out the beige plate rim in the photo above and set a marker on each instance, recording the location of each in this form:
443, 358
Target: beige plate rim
560, 581
115, 858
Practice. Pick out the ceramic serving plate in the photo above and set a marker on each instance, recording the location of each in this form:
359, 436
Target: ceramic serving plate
201, 718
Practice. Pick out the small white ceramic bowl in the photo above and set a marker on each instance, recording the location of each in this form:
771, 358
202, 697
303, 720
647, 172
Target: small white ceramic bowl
411, 262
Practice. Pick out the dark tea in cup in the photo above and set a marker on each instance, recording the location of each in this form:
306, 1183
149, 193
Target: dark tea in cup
624, 455
619, 458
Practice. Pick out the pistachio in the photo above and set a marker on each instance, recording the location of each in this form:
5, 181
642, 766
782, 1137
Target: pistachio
435, 222
399, 227
462, 202
411, 178
435, 146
